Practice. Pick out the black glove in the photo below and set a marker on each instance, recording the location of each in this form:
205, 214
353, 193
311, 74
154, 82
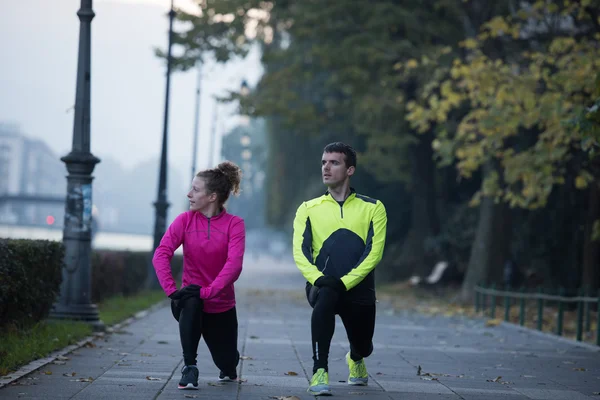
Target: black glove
190, 291
331, 282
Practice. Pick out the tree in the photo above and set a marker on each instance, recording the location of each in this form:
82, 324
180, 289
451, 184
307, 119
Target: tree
510, 95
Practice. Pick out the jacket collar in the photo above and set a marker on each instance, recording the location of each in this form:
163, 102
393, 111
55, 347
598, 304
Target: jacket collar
214, 217
350, 195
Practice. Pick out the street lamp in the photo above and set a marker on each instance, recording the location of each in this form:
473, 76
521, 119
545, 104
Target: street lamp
244, 89
196, 121
213, 135
161, 205
74, 301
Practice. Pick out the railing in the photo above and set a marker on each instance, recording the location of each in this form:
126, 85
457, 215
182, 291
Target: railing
584, 306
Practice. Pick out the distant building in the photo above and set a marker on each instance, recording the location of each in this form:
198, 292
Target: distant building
29, 169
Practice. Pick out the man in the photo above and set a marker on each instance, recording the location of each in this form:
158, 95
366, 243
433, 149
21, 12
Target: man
338, 240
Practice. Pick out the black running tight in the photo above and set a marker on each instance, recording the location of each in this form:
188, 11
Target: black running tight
358, 319
220, 332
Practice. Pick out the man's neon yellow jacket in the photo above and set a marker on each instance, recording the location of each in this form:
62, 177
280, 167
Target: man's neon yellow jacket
341, 239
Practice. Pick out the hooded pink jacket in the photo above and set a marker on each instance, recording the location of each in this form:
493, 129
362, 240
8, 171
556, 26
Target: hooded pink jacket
213, 253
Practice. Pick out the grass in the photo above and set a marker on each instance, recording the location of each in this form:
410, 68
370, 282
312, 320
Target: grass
19, 347
119, 308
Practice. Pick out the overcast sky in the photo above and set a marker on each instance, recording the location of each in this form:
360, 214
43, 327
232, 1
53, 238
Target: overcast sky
39, 41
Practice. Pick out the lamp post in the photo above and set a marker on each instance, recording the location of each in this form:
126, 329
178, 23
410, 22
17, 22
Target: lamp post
245, 141
196, 121
74, 301
213, 135
161, 205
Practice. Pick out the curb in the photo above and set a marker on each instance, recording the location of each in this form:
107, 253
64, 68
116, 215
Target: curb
37, 364
551, 336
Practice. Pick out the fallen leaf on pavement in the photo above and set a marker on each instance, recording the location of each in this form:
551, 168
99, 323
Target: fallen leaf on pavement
90, 345
215, 384
47, 372
253, 337
150, 378
246, 358
497, 379
164, 342
70, 375
90, 379
191, 396
285, 397
493, 322
62, 358
579, 369
291, 373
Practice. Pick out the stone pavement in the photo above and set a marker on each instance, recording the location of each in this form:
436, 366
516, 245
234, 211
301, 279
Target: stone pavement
457, 358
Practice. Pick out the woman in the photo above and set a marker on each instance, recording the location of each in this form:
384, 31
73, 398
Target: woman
213, 251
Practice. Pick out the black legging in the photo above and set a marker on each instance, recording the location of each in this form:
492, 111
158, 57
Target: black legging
220, 332
358, 319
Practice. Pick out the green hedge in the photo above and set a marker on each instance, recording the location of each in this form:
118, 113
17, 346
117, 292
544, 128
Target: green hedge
31, 273
122, 272
30, 276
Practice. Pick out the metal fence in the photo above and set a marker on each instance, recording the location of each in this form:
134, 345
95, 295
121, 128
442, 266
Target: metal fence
583, 300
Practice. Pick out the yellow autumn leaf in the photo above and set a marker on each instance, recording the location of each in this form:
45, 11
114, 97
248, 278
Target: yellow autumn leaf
493, 322
412, 63
469, 43
580, 182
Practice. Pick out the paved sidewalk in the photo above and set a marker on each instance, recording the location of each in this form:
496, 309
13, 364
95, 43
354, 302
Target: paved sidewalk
457, 358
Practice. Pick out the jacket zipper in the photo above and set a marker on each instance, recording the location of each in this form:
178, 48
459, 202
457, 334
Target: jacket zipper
342, 210
209, 228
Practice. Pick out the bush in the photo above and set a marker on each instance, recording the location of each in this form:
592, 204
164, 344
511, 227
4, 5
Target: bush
123, 272
30, 277
31, 273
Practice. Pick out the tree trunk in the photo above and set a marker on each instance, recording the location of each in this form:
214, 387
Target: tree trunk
424, 217
590, 276
490, 246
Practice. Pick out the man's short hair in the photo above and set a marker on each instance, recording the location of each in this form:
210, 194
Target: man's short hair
348, 151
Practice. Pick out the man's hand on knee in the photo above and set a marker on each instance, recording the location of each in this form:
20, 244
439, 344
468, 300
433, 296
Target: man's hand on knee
331, 282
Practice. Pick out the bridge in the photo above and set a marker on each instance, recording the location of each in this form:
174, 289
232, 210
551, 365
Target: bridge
102, 240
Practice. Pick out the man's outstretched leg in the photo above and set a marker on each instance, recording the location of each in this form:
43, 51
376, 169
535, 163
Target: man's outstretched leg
322, 329
359, 321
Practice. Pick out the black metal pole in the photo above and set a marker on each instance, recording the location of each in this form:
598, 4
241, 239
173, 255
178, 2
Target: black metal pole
74, 301
196, 121
213, 135
161, 205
